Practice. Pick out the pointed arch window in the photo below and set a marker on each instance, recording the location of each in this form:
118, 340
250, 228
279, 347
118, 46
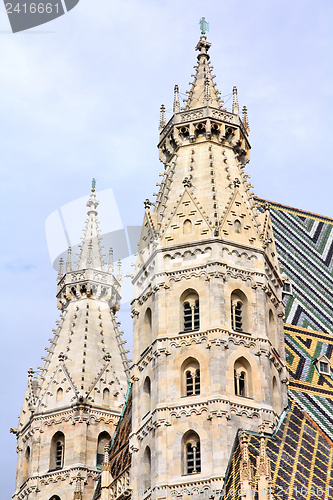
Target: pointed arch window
190, 311
242, 378
103, 440
146, 469
147, 328
190, 377
191, 453
238, 311
57, 451
60, 394
146, 397
106, 396
26, 464
187, 226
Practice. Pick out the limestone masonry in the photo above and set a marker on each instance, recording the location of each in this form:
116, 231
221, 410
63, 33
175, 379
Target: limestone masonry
223, 400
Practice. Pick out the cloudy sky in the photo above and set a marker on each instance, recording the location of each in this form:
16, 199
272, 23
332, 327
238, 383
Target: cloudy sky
80, 98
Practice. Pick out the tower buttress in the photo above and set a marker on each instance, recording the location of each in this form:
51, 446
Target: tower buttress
73, 403
208, 346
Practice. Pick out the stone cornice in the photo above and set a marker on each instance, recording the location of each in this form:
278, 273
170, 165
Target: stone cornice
198, 114
212, 407
75, 413
213, 336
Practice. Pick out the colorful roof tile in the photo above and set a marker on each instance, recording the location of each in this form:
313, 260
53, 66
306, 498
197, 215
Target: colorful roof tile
304, 242
300, 456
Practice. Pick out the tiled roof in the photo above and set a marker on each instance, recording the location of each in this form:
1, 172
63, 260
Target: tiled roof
313, 391
304, 242
301, 451
300, 456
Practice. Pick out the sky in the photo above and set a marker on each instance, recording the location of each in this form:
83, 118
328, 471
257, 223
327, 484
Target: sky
80, 98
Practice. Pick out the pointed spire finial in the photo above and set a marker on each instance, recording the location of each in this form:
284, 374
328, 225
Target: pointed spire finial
110, 261
69, 260
176, 104
246, 120
91, 250
119, 272
93, 185
235, 105
162, 117
60, 271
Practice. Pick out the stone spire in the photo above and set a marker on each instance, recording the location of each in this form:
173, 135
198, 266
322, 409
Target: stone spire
91, 252
235, 105
83, 380
203, 91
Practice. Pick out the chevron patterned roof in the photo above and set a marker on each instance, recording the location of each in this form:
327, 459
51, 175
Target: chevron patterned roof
304, 242
300, 457
301, 452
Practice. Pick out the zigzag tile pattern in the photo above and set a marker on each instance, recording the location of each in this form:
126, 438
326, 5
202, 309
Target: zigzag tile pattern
304, 243
312, 390
300, 456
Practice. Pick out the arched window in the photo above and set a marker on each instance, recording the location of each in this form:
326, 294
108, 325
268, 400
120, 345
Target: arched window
103, 440
190, 311
190, 377
272, 328
237, 226
26, 464
242, 378
276, 396
106, 397
147, 329
146, 469
146, 397
60, 394
191, 453
187, 226
55, 497
57, 451
238, 311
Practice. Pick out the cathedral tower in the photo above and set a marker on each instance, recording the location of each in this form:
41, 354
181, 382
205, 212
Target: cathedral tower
208, 345
73, 403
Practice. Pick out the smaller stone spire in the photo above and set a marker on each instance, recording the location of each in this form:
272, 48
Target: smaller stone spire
246, 470
246, 120
162, 117
69, 260
60, 271
235, 105
91, 252
110, 269
176, 104
264, 476
119, 278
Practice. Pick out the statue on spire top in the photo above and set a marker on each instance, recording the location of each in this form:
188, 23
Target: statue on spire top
204, 25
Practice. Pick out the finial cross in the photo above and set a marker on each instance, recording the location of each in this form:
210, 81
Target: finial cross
204, 25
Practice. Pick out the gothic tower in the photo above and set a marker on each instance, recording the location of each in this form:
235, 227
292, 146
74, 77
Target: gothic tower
208, 345
74, 401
